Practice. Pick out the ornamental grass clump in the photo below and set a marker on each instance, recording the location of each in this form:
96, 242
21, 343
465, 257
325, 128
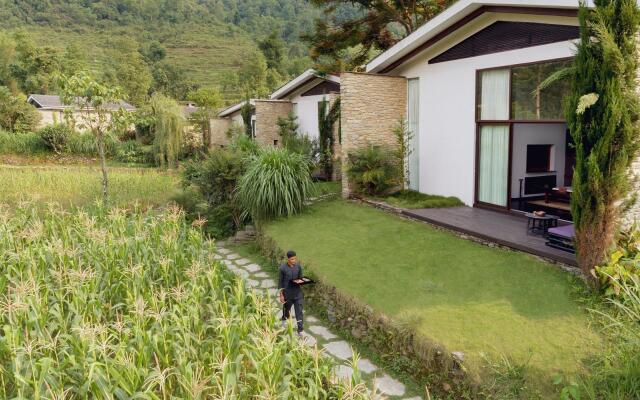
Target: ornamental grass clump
276, 184
124, 304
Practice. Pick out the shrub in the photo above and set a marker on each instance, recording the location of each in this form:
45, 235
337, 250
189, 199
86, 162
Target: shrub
84, 143
215, 179
16, 115
373, 170
55, 136
293, 141
244, 144
622, 264
21, 143
133, 152
277, 183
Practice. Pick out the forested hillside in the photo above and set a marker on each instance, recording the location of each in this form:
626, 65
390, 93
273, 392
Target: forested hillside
169, 45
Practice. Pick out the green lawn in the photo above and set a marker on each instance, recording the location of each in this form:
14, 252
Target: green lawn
81, 185
467, 296
410, 199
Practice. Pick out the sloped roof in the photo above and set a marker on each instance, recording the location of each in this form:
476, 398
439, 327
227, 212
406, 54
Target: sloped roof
300, 81
53, 102
457, 14
235, 108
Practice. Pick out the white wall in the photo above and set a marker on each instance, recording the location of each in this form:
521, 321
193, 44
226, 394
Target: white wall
447, 114
306, 109
525, 134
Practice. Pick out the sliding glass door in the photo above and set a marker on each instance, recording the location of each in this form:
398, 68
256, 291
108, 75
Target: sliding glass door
493, 165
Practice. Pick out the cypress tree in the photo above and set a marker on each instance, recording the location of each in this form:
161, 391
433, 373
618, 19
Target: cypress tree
602, 116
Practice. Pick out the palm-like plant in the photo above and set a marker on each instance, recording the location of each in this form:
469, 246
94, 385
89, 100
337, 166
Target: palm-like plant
374, 170
276, 184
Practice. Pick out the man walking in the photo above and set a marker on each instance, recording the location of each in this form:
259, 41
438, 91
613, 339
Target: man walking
290, 292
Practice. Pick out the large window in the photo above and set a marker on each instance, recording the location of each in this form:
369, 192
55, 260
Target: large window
516, 94
529, 101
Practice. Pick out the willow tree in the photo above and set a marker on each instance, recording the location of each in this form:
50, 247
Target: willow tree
168, 128
603, 115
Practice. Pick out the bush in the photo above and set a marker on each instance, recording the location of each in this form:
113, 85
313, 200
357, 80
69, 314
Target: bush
244, 144
16, 115
622, 265
277, 183
55, 136
132, 152
373, 170
21, 143
215, 179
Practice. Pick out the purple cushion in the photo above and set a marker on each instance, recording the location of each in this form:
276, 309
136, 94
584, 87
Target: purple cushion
565, 231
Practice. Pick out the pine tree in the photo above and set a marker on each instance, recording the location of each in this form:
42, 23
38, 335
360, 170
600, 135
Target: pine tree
603, 116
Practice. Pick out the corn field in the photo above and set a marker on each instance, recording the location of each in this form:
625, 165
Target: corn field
125, 304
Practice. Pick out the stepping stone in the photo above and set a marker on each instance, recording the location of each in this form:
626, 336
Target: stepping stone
308, 339
268, 283
272, 293
252, 283
222, 250
228, 263
233, 256
340, 350
261, 275
413, 398
217, 257
322, 331
252, 268
389, 386
311, 318
343, 372
366, 366
242, 261
241, 273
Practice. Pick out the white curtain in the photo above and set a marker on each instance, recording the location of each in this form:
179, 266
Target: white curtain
494, 165
494, 101
413, 117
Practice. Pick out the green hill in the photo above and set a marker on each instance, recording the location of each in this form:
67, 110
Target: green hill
206, 40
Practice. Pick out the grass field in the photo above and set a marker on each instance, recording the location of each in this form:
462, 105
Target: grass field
469, 297
81, 185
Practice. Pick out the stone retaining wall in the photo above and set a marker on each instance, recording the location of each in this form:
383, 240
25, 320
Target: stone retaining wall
371, 107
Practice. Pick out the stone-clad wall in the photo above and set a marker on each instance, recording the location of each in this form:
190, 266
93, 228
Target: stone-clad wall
267, 113
371, 107
219, 128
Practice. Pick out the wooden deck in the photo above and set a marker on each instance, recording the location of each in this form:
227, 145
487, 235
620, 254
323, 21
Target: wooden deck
506, 229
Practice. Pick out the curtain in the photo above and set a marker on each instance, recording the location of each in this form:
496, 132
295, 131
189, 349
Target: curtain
413, 117
494, 101
494, 165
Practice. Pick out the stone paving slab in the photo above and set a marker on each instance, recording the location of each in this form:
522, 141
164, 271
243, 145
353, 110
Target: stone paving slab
241, 273
366, 366
222, 250
252, 283
268, 284
343, 372
340, 349
389, 386
413, 398
252, 267
242, 261
322, 331
261, 275
233, 256
309, 340
217, 257
228, 263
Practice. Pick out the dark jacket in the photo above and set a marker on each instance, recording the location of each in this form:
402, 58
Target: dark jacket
287, 273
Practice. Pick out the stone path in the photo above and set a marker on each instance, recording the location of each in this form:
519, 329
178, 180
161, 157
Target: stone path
315, 333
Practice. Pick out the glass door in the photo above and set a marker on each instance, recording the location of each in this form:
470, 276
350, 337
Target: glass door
493, 165
413, 118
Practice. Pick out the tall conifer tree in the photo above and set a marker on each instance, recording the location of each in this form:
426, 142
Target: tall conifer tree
603, 116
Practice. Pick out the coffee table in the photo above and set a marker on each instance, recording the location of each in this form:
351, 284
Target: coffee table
541, 224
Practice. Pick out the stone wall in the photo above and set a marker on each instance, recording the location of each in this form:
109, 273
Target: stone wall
371, 107
219, 128
267, 113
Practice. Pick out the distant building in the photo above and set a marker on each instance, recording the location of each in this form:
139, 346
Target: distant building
52, 109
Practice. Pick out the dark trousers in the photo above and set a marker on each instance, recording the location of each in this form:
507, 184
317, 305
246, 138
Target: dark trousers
297, 306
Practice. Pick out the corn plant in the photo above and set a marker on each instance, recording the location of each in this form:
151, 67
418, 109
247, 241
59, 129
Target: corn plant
125, 304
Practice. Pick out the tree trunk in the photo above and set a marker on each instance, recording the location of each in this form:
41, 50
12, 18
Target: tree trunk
103, 166
593, 241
